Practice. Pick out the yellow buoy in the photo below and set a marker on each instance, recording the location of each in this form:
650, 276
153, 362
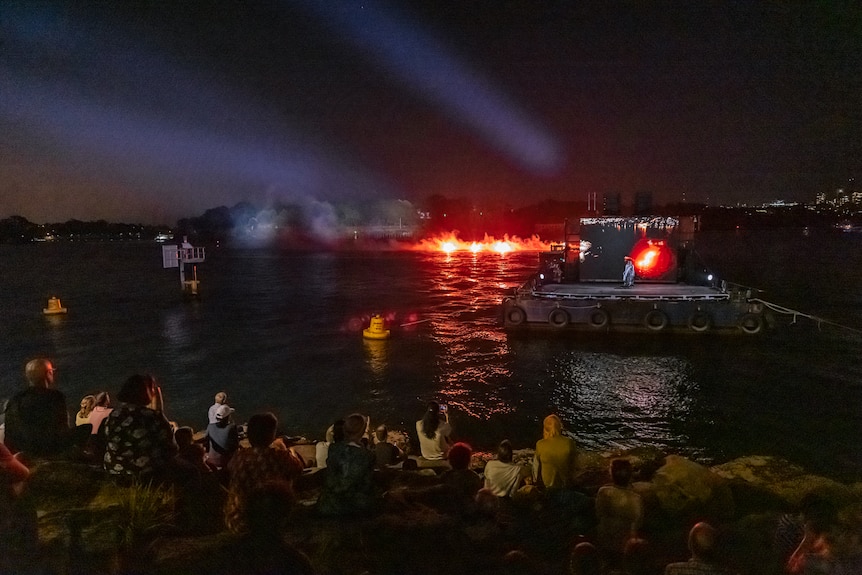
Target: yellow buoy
54, 307
376, 330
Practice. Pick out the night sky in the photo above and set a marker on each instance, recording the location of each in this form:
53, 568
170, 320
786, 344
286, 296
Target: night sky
149, 111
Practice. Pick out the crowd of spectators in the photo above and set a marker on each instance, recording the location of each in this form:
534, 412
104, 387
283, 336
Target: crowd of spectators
255, 481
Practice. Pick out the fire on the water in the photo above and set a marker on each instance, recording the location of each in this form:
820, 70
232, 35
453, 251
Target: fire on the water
450, 243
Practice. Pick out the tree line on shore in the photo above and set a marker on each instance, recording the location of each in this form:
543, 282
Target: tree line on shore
314, 222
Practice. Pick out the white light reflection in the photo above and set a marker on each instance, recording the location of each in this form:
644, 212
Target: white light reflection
614, 401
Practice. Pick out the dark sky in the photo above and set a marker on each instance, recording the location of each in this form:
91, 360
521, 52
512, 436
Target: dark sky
148, 111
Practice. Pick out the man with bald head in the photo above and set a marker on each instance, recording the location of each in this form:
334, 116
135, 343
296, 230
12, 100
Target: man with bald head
703, 545
37, 421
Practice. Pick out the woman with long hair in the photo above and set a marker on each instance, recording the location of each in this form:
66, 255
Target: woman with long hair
139, 439
434, 432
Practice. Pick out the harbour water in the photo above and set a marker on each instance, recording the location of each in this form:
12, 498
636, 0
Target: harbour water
281, 331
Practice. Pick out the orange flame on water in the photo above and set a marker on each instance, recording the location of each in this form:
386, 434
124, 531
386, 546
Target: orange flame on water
450, 243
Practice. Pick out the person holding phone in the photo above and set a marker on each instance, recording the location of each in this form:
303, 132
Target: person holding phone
435, 433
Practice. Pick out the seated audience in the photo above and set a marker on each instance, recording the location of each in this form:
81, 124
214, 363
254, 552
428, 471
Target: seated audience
101, 410
619, 511
88, 402
705, 553
220, 399
252, 467
434, 433
37, 421
334, 433
222, 438
502, 476
556, 457
464, 482
139, 440
190, 455
348, 486
386, 453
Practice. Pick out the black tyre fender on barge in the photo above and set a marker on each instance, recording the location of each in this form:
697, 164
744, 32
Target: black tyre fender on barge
515, 315
656, 320
599, 318
699, 321
558, 318
751, 323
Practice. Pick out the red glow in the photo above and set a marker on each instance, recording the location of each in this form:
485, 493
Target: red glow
450, 243
653, 259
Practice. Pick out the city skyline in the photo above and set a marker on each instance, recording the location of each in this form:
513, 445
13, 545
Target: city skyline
149, 112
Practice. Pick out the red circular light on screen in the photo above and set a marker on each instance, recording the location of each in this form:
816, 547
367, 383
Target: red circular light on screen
654, 259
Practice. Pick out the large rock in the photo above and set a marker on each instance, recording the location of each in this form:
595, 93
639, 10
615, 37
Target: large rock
783, 480
688, 490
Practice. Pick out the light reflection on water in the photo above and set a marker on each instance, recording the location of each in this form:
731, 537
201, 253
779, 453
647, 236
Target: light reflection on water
622, 401
282, 332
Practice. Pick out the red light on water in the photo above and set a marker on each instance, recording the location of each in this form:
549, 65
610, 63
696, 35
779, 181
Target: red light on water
653, 259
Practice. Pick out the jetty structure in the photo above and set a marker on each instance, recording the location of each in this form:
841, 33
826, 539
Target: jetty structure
579, 284
177, 257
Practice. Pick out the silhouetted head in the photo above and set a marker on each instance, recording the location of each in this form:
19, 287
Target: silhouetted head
381, 433
261, 429
138, 390
621, 472
354, 427
585, 560
40, 373
184, 436
103, 399
504, 451
552, 427
702, 541
460, 456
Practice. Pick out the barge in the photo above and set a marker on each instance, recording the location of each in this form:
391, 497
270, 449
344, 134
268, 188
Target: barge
579, 284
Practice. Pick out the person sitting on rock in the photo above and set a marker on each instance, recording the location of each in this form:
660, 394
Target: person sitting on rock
334, 433
266, 460
619, 511
101, 410
556, 457
705, 553
463, 481
190, 455
220, 399
386, 454
37, 421
139, 439
502, 476
82, 417
222, 439
434, 433
348, 486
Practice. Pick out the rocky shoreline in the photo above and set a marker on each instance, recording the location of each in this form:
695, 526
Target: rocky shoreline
82, 515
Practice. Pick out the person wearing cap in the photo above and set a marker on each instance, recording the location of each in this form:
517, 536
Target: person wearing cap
222, 438
629, 272
220, 399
